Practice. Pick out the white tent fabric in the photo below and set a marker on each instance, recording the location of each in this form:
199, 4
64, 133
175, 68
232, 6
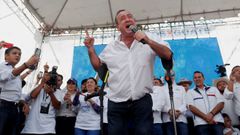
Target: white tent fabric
76, 14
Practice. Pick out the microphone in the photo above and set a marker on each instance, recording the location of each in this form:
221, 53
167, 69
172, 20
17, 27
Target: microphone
95, 94
168, 77
134, 29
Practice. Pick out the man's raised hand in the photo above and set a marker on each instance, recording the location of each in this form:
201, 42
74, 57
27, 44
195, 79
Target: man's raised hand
89, 41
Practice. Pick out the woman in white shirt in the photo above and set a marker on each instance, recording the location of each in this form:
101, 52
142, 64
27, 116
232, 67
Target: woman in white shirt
88, 118
66, 117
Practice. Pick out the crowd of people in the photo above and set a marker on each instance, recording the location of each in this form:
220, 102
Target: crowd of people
136, 102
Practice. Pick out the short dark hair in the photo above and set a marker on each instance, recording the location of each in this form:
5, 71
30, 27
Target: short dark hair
7, 51
225, 115
199, 73
93, 79
235, 67
83, 81
119, 11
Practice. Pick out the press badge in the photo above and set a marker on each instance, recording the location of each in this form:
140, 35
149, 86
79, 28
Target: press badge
45, 104
44, 107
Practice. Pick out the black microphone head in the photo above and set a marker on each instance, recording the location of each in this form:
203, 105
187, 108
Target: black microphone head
133, 28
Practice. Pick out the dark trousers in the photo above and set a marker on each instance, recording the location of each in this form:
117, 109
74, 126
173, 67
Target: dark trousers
182, 128
105, 129
8, 119
190, 126
37, 134
65, 125
216, 129
140, 111
157, 129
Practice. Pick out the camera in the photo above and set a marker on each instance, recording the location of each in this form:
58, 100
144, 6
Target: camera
221, 70
53, 77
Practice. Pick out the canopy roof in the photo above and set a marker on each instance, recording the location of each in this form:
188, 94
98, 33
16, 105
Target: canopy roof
77, 14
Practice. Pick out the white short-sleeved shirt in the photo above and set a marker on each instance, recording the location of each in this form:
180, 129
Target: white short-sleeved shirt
40, 123
87, 118
130, 69
205, 100
10, 85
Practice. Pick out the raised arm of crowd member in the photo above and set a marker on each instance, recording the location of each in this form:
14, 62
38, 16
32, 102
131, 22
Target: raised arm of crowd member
38, 89
33, 60
89, 43
229, 91
231, 82
50, 91
46, 68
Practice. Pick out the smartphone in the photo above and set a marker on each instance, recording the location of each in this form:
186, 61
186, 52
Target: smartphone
40, 74
37, 52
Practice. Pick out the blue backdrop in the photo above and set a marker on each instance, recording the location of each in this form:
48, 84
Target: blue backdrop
201, 54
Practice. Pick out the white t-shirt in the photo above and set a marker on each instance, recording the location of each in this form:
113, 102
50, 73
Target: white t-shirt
87, 118
130, 69
41, 123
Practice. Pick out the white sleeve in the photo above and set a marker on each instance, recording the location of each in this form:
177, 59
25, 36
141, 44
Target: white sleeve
103, 55
228, 94
59, 96
166, 106
156, 99
189, 98
219, 96
5, 73
183, 107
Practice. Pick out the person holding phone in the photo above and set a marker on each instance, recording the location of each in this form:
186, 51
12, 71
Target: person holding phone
11, 88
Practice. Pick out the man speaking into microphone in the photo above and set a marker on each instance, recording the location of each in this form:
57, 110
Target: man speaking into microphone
130, 59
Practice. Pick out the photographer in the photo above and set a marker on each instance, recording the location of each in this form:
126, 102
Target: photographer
46, 100
11, 88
